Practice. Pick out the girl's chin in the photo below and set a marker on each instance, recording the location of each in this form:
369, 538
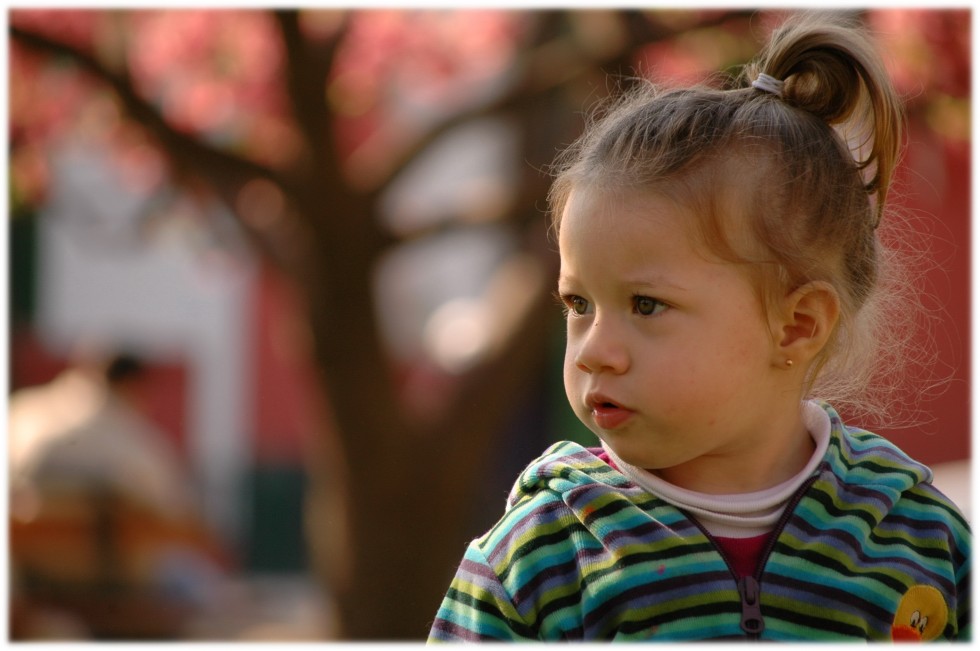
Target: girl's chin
645, 459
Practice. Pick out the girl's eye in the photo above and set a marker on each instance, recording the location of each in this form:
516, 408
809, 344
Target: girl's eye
573, 304
646, 306
578, 305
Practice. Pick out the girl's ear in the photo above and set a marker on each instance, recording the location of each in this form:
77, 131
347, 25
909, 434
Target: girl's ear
808, 317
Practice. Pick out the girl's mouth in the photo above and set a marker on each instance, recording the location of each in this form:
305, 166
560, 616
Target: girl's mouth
608, 414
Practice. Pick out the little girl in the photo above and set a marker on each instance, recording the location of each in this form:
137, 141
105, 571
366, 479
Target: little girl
719, 267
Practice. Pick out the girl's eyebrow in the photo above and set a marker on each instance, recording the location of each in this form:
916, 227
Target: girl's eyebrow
659, 282
565, 279
654, 281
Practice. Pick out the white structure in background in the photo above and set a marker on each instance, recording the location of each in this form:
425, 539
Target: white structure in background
161, 294
433, 292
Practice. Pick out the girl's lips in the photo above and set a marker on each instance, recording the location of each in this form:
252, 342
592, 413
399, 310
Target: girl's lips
607, 414
610, 417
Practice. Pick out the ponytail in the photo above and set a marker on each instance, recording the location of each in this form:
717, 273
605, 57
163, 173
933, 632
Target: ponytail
831, 71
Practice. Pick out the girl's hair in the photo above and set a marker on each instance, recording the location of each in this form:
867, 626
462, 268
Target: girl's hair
804, 168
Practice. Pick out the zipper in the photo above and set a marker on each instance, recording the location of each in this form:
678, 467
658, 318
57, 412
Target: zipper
752, 622
750, 587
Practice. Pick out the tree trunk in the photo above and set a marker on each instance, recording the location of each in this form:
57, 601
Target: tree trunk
389, 500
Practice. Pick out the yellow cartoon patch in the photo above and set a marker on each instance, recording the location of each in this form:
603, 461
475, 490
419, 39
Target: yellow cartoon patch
922, 615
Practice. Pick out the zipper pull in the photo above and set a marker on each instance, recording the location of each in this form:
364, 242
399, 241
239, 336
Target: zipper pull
748, 590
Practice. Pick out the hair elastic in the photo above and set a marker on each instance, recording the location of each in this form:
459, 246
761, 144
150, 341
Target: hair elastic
768, 84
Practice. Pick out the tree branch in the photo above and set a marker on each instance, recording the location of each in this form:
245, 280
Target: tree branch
307, 68
219, 165
538, 77
225, 171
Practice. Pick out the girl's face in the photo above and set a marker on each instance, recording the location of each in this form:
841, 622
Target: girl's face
670, 359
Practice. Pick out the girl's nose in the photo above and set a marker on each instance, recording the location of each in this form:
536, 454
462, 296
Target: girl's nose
601, 349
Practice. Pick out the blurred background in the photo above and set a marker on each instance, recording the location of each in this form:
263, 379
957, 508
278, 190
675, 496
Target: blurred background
281, 333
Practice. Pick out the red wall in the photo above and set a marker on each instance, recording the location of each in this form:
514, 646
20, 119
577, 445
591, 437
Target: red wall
934, 188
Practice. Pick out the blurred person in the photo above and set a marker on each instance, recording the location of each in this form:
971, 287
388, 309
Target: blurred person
88, 427
100, 502
721, 271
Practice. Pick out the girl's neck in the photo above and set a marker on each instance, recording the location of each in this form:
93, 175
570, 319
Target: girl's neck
754, 469
741, 515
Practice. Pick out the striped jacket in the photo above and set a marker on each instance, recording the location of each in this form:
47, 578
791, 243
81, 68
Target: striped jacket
867, 549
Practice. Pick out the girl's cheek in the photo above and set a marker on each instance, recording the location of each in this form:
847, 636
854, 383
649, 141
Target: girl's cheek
569, 366
572, 375
573, 339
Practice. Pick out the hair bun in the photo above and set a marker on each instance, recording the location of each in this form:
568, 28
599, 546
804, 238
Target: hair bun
829, 68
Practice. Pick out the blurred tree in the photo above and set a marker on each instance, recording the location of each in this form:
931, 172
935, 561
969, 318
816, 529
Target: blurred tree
300, 121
